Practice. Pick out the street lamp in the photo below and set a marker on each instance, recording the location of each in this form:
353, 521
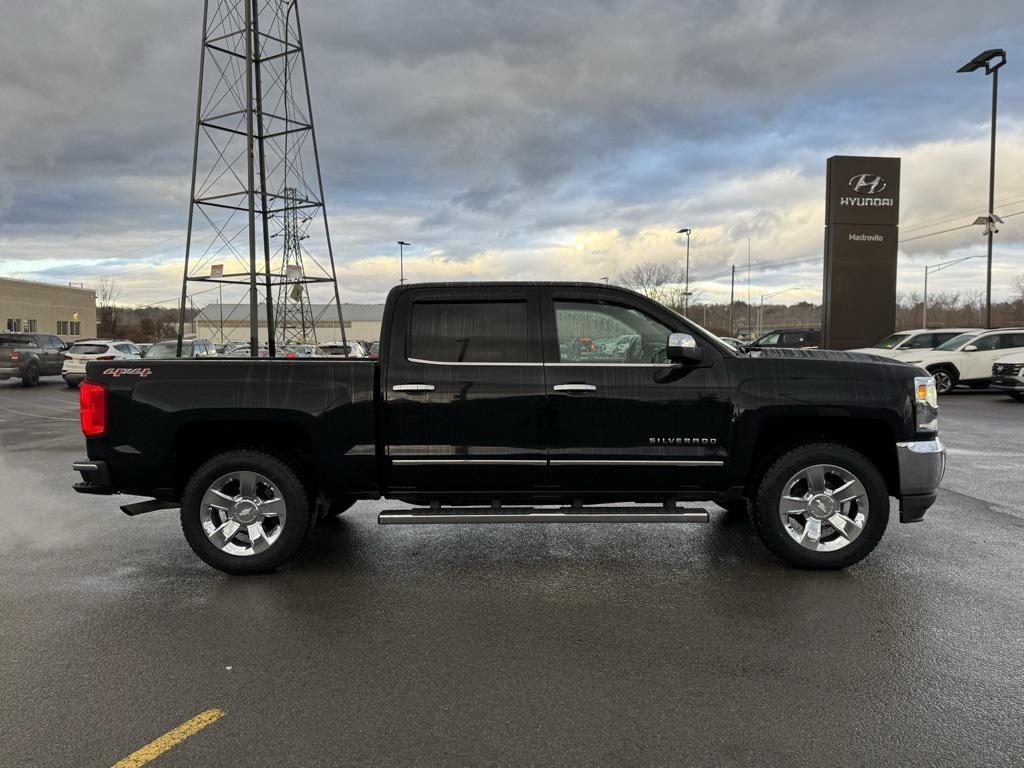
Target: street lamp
401, 260
930, 268
991, 60
760, 312
686, 288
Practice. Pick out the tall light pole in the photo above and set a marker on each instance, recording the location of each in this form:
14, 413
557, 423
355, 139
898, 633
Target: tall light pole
686, 285
991, 60
930, 268
401, 261
732, 302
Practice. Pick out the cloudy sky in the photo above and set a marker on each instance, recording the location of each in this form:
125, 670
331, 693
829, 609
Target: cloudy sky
525, 139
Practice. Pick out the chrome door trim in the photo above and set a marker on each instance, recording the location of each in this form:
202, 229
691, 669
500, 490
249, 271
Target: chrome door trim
413, 388
519, 462
638, 462
610, 364
453, 362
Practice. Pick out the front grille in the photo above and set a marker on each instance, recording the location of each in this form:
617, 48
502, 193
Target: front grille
1007, 369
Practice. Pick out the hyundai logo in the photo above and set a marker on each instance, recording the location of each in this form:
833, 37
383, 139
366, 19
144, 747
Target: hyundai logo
867, 183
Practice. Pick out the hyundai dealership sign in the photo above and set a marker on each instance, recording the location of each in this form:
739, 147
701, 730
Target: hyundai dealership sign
862, 214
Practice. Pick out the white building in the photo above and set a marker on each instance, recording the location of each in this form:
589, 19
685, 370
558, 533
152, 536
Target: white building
63, 310
222, 323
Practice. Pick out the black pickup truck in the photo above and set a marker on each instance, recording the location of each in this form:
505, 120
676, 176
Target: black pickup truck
520, 402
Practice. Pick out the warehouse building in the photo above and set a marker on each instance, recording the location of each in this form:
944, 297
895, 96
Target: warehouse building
224, 323
66, 311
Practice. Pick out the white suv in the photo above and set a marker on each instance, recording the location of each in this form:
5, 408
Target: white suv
85, 350
903, 342
968, 358
1008, 375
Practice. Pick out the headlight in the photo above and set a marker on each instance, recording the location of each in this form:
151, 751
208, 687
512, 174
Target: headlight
926, 404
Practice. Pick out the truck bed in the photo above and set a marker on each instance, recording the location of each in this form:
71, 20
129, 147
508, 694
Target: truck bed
168, 416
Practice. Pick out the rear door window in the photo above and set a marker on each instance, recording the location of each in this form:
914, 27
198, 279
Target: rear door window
1011, 340
471, 332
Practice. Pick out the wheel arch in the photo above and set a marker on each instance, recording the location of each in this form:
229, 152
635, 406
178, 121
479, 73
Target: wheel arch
197, 442
873, 437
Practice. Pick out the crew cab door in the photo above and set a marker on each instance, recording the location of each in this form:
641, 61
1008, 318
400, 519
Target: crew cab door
622, 418
463, 388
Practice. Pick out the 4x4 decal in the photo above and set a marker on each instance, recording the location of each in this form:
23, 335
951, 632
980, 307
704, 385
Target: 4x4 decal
115, 372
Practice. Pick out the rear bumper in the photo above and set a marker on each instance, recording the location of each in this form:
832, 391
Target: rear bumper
8, 372
922, 464
95, 478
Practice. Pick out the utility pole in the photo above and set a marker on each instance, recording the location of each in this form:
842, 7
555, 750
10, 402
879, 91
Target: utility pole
750, 322
686, 285
732, 302
401, 261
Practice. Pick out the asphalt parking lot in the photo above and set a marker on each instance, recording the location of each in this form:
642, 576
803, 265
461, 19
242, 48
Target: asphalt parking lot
510, 645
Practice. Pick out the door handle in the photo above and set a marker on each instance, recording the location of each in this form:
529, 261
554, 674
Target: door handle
574, 388
413, 388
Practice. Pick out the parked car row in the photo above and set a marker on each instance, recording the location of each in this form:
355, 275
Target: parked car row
972, 357
29, 356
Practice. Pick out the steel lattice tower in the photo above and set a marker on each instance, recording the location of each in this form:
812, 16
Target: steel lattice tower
256, 171
295, 321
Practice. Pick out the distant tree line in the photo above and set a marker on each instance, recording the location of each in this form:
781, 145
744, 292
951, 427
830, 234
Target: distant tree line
139, 324
958, 309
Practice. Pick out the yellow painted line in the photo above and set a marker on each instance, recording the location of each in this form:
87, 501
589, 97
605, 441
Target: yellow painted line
172, 738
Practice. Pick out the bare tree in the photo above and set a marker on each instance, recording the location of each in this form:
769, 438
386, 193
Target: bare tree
107, 293
1018, 286
649, 278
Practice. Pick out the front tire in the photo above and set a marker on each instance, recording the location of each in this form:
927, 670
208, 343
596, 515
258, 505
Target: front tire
945, 379
821, 506
245, 512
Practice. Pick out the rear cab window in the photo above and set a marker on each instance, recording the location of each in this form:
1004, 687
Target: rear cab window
488, 331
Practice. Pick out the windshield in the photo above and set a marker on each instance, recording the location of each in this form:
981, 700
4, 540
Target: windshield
768, 340
955, 342
891, 342
167, 349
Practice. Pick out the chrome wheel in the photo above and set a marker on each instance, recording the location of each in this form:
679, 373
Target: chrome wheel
943, 381
824, 507
243, 513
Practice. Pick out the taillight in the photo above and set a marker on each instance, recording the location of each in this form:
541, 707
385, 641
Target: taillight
14, 355
67, 357
92, 408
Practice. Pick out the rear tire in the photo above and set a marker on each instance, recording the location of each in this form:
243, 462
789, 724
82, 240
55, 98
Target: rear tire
72, 384
1018, 396
216, 504
31, 377
831, 533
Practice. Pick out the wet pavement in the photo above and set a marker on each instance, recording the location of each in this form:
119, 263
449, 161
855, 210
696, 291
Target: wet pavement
510, 645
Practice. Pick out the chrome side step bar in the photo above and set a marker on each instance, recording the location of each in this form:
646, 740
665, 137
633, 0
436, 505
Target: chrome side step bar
456, 515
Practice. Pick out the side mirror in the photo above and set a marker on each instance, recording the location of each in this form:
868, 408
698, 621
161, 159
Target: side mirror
971, 348
682, 348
